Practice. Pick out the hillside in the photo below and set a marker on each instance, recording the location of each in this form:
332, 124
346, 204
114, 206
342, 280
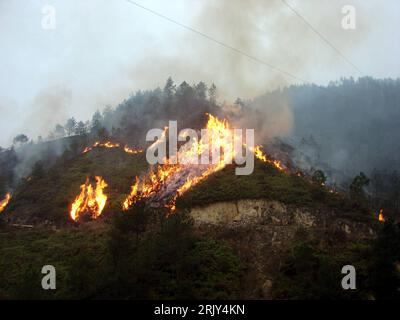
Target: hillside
37, 201
267, 182
116, 227
239, 258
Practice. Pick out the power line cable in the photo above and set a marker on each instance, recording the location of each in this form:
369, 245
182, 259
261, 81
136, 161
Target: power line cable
218, 42
325, 39
238, 51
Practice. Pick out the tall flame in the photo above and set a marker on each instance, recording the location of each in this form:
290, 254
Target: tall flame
381, 217
220, 136
90, 201
4, 202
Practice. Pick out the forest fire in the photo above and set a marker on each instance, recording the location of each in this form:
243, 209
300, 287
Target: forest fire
381, 217
175, 179
110, 145
4, 202
90, 201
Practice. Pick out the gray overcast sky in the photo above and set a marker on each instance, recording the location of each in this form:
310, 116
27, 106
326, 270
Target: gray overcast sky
102, 50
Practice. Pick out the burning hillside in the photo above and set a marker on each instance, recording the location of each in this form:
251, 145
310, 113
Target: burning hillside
193, 163
170, 181
161, 185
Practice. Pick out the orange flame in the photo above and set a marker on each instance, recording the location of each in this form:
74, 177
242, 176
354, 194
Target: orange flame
191, 182
259, 154
132, 151
91, 200
219, 137
381, 217
149, 185
4, 202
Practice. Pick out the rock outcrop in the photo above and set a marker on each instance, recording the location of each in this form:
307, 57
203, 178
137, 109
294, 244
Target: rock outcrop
274, 213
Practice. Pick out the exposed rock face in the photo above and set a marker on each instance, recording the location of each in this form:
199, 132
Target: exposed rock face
274, 213
242, 211
251, 211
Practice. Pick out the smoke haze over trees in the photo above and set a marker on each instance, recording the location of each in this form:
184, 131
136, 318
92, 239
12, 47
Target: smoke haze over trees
351, 125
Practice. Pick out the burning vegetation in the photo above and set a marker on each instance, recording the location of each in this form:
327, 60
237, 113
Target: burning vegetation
4, 202
111, 145
260, 155
91, 201
381, 217
171, 181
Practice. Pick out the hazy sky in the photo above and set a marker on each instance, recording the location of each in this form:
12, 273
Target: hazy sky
101, 50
